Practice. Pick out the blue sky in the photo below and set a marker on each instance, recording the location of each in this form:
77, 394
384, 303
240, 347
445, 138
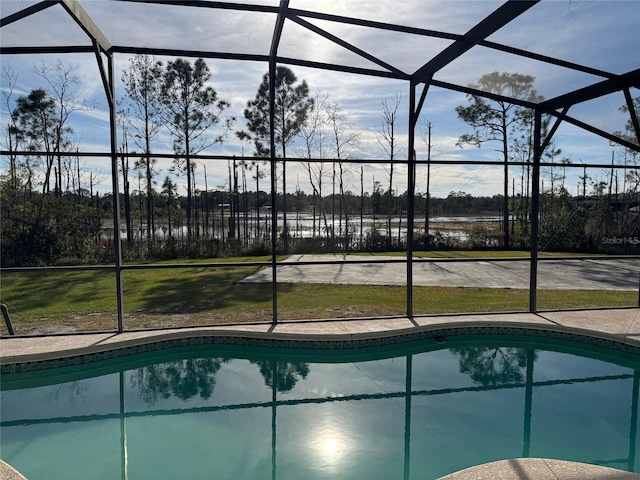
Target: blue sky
601, 34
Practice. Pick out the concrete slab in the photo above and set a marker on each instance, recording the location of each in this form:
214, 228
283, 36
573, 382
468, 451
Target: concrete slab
624, 322
605, 274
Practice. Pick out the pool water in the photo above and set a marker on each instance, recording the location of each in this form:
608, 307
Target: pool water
412, 411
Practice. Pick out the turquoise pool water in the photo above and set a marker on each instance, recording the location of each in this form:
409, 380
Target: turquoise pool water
413, 411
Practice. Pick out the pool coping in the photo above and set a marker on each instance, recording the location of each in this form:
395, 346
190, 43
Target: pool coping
7, 472
540, 469
618, 329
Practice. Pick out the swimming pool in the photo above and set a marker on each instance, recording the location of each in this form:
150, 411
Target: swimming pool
414, 410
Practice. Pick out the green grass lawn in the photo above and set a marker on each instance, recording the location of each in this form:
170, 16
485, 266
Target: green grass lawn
64, 301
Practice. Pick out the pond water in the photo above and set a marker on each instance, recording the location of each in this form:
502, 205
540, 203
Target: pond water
302, 225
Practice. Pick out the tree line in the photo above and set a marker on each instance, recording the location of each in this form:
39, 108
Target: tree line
52, 215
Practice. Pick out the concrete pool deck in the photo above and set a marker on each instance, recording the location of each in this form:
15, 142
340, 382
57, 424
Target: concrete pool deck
619, 325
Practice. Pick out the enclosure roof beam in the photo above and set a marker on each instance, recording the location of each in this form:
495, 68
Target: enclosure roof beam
495, 21
590, 128
633, 113
481, 93
448, 36
27, 12
173, 52
600, 89
252, 57
373, 24
342, 43
47, 50
553, 130
103, 75
341, 68
87, 24
423, 97
206, 4
546, 59
277, 31
303, 13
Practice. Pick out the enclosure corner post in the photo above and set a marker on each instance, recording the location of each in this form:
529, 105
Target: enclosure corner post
117, 241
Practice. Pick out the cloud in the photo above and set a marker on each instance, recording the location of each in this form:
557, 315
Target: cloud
571, 31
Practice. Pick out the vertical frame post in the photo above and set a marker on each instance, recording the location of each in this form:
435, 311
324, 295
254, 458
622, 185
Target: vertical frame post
275, 41
535, 211
274, 210
117, 242
411, 183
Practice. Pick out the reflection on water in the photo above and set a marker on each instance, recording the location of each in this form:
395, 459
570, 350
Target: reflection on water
182, 378
422, 412
329, 446
493, 366
282, 375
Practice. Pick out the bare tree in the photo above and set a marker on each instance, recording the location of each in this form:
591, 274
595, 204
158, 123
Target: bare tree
316, 146
426, 136
63, 80
386, 136
169, 189
124, 169
344, 140
12, 137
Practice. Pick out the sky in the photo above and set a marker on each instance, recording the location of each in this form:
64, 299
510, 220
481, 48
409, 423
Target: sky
598, 33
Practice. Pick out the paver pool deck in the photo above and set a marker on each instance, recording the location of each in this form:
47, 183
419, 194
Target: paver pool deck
620, 325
